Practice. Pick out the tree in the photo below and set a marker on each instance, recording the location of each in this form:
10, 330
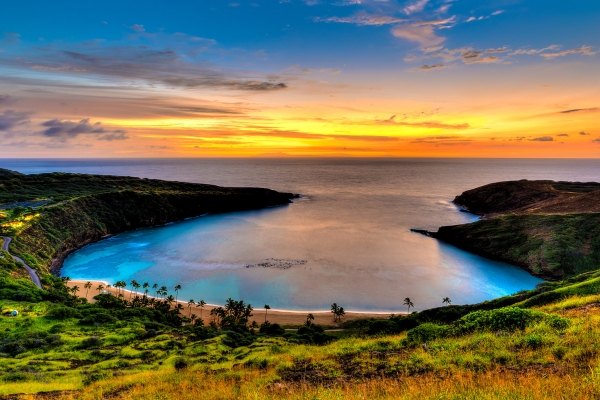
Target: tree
267, 308
408, 303
340, 313
190, 304
334, 310
446, 300
163, 291
135, 285
177, 289
201, 304
99, 288
309, 319
87, 287
155, 288
74, 290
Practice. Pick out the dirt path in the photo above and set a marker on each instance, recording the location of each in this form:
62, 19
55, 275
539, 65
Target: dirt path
282, 317
32, 272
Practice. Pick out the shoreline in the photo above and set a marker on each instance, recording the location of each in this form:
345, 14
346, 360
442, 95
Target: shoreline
279, 316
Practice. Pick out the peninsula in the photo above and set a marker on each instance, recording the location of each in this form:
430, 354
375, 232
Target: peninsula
54, 214
551, 229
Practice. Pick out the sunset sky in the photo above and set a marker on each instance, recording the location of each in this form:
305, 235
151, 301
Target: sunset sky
207, 78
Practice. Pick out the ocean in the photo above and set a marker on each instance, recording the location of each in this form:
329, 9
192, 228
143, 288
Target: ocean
346, 240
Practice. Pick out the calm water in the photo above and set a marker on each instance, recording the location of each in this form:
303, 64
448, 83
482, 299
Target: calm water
351, 230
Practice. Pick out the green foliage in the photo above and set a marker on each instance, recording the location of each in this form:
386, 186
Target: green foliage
427, 332
62, 312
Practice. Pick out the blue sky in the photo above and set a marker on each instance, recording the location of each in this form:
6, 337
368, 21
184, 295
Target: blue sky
261, 54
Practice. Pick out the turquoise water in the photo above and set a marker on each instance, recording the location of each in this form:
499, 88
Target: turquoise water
347, 240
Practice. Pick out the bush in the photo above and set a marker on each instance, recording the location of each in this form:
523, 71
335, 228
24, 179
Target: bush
181, 364
93, 341
533, 341
271, 329
427, 332
62, 312
509, 319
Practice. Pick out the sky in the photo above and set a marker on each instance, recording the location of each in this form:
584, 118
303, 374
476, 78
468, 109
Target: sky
316, 78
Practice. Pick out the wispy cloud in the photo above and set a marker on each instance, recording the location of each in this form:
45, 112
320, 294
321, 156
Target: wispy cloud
423, 34
174, 60
6, 100
594, 109
10, 119
584, 50
426, 67
421, 124
415, 7
542, 139
363, 20
62, 131
443, 140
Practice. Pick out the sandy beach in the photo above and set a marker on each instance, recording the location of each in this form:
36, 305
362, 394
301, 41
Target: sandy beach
282, 317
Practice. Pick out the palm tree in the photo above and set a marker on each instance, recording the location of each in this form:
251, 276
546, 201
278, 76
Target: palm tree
135, 285
340, 313
309, 319
170, 299
190, 304
408, 303
201, 304
267, 308
87, 287
177, 289
155, 287
334, 310
74, 290
99, 288
446, 300
108, 286
163, 289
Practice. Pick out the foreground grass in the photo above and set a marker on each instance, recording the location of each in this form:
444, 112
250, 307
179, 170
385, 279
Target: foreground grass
535, 363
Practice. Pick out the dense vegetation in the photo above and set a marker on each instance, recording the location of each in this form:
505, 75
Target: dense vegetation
133, 346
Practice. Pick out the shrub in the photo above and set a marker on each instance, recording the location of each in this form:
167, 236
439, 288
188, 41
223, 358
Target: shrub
181, 364
510, 318
62, 312
427, 332
533, 341
93, 341
260, 363
271, 329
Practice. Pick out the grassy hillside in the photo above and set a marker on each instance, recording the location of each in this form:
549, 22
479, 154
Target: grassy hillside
545, 345
50, 215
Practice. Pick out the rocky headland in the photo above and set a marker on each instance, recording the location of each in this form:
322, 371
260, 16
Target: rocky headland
68, 211
551, 229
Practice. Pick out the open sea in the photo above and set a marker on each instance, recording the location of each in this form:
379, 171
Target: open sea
347, 240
